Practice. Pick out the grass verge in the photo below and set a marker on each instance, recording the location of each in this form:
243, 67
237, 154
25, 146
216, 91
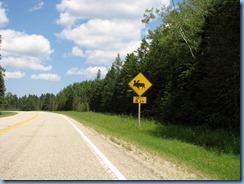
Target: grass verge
4, 114
218, 165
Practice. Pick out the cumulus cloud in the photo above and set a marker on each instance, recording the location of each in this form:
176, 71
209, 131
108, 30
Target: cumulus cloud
102, 57
37, 7
24, 63
76, 51
103, 28
89, 72
14, 75
66, 20
3, 17
46, 76
23, 51
103, 34
19, 43
106, 9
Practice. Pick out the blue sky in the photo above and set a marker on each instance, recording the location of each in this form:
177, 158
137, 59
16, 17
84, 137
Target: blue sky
49, 44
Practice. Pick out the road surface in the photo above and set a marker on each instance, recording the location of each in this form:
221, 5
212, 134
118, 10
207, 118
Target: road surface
49, 146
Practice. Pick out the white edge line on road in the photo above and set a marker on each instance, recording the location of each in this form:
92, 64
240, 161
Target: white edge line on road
97, 151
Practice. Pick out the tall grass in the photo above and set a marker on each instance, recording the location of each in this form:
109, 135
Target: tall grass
215, 140
4, 114
208, 151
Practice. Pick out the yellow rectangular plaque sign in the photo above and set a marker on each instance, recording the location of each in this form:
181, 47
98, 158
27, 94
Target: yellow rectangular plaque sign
140, 99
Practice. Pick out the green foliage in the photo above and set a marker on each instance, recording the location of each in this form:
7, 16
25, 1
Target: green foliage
219, 65
29, 103
2, 88
11, 102
48, 102
98, 75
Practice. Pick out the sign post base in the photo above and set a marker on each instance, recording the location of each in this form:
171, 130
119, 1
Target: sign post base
139, 115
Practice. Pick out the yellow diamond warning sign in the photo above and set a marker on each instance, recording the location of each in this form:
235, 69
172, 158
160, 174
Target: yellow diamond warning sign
140, 84
140, 99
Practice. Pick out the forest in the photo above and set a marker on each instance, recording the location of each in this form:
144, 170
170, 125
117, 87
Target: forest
192, 59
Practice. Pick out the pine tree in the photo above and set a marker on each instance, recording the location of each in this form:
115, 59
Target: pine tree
2, 87
98, 74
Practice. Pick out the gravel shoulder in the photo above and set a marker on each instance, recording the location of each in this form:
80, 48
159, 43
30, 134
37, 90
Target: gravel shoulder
138, 164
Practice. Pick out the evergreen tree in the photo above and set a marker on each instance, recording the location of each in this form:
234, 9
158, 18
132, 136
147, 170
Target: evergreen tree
218, 71
98, 74
2, 88
11, 102
108, 93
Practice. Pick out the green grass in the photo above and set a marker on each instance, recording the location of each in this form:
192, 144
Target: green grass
4, 114
215, 140
162, 139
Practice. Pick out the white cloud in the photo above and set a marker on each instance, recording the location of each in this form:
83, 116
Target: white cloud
66, 19
19, 43
104, 39
89, 72
46, 76
3, 17
37, 6
103, 28
23, 51
14, 75
101, 57
76, 51
22, 63
106, 9
103, 34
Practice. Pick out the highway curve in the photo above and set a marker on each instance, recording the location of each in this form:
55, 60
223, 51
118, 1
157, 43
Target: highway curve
49, 146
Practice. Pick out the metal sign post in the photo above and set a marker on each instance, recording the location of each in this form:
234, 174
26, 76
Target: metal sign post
140, 84
140, 100
139, 115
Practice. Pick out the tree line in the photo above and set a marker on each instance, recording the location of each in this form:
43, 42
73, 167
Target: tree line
192, 59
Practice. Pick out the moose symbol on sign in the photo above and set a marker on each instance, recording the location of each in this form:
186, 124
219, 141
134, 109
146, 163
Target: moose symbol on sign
138, 84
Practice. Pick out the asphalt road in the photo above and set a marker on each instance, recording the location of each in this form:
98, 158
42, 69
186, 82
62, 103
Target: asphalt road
48, 146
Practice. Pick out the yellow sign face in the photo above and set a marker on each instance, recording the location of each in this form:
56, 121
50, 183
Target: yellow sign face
140, 84
140, 99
